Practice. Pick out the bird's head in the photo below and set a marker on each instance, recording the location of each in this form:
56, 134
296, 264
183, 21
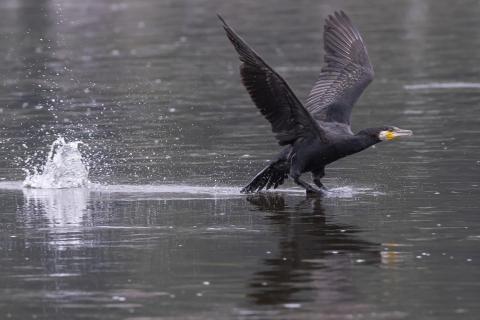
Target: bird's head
386, 133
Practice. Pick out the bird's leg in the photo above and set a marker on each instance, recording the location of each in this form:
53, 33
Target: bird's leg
296, 172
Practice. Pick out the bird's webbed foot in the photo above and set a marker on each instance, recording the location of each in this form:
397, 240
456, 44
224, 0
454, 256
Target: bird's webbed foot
308, 187
320, 185
317, 175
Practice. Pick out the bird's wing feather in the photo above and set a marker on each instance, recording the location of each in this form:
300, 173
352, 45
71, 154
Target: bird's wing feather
272, 95
345, 75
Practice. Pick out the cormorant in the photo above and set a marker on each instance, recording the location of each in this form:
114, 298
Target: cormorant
317, 133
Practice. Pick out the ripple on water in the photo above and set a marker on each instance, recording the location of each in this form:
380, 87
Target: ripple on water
443, 85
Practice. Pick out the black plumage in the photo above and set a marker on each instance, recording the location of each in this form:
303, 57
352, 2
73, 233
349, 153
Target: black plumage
318, 133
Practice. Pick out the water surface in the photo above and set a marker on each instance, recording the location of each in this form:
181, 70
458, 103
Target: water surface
152, 90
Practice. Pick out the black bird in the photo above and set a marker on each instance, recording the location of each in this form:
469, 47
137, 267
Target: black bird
317, 133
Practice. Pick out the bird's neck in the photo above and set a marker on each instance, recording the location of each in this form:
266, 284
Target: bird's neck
362, 142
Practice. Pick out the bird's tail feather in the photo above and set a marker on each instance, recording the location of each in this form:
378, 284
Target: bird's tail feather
270, 176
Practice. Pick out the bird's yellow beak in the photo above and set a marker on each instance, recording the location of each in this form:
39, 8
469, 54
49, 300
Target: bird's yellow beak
389, 135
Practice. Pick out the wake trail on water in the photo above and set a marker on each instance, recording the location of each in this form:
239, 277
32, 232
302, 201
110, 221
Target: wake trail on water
65, 169
184, 192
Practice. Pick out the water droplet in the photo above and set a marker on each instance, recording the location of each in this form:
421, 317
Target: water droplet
119, 298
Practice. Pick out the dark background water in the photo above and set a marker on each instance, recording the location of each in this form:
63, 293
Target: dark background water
152, 87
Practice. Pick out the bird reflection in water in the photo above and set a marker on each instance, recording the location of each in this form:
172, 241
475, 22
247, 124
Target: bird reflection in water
315, 256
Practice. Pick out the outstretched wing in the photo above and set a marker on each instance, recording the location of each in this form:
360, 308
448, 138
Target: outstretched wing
345, 75
272, 95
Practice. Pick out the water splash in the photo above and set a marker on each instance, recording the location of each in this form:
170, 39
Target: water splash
64, 168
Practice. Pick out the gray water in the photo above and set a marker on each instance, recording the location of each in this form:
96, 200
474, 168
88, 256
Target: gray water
152, 90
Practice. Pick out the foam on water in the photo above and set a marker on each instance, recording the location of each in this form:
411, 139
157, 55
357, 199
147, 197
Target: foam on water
64, 168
